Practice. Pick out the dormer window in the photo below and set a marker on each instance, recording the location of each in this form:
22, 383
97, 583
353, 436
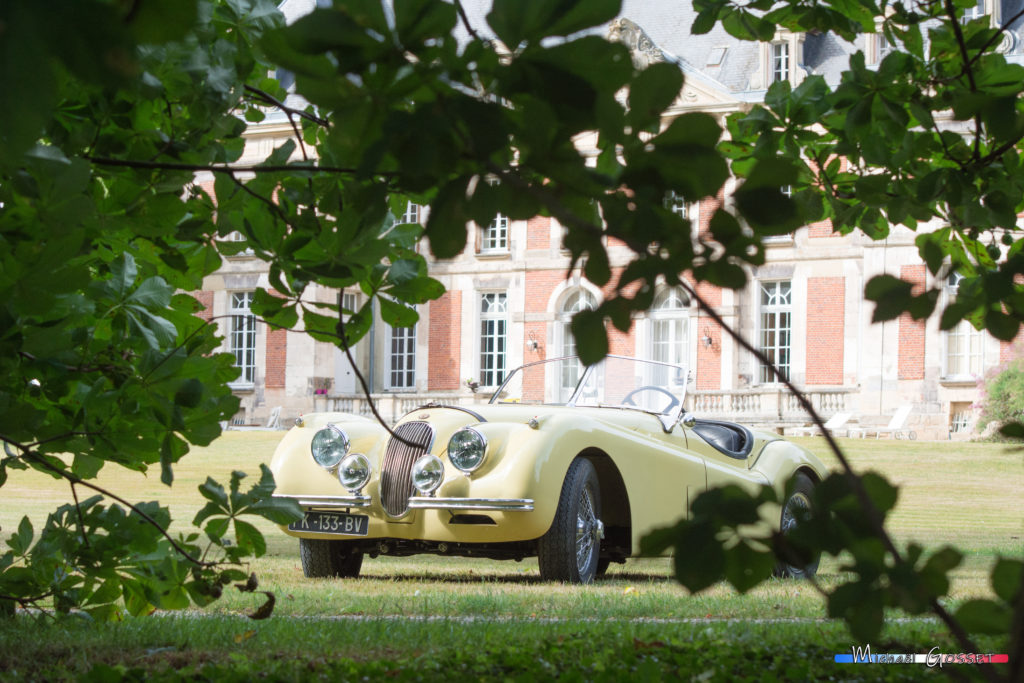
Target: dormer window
780, 61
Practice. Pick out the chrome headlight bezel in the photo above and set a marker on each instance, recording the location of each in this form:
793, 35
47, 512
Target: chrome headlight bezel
470, 452
329, 447
354, 472
427, 474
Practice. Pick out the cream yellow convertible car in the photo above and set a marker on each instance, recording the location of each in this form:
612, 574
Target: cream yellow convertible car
575, 479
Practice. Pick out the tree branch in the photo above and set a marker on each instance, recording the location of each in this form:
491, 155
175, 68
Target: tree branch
269, 168
270, 99
75, 479
465, 21
874, 516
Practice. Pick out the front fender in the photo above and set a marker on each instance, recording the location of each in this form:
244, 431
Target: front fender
295, 471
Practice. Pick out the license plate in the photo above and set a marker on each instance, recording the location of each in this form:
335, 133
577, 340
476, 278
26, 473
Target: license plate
333, 523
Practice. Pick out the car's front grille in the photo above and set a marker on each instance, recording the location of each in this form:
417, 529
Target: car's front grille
396, 472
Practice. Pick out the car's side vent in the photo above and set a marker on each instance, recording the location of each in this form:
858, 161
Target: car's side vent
396, 471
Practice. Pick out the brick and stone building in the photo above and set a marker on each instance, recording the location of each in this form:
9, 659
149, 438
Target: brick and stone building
509, 299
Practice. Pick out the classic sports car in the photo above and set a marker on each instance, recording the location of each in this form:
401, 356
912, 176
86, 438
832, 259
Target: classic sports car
576, 480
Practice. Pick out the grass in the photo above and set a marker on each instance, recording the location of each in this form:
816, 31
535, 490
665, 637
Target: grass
964, 494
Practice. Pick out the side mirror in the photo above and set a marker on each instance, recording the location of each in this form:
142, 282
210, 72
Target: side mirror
688, 420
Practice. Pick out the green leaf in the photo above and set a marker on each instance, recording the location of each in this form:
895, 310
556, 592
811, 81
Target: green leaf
397, 314
214, 492
880, 491
1012, 430
652, 92
984, 616
891, 296
86, 466
446, 225
249, 538
516, 21
746, 567
418, 20
1007, 579
161, 21
19, 542
189, 393
590, 335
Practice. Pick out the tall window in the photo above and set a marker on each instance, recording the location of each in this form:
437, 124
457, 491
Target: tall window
496, 234
242, 338
493, 338
670, 326
411, 215
401, 357
776, 309
578, 300
964, 344
883, 45
780, 62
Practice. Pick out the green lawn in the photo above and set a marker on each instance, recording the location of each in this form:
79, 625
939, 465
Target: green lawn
413, 611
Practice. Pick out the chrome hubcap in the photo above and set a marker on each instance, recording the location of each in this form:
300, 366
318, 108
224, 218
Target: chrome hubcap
790, 515
589, 530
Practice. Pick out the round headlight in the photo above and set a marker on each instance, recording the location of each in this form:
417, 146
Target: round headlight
329, 446
354, 472
466, 449
427, 474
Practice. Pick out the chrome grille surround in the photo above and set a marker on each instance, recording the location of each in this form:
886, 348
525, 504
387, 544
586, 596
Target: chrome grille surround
396, 471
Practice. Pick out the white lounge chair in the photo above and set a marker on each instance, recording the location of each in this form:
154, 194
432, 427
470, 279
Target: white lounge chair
895, 427
834, 423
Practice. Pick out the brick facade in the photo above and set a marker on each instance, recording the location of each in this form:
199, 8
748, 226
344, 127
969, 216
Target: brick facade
709, 358
821, 229
538, 232
911, 346
539, 286
277, 357
205, 298
826, 310
445, 342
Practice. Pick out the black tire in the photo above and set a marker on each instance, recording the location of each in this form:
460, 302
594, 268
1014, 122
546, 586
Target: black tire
329, 559
570, 551
798, 495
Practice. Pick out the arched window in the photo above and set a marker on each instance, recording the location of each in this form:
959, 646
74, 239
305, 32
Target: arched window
964, 344
493, 337
670, 326
575, 301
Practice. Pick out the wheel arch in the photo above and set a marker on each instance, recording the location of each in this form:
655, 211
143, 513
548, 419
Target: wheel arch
615, 508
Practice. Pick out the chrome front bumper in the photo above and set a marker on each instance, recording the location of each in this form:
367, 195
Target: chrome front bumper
415, 502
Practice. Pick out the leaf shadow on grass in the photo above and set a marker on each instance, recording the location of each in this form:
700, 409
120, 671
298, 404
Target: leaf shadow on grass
519, 579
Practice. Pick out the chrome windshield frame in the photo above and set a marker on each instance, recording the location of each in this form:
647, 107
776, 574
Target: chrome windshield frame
668, 420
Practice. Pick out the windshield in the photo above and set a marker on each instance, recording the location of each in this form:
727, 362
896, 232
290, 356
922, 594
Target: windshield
616, 381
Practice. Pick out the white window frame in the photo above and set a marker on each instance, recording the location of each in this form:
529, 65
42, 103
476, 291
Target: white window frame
677, 205
573, 301
669, 329
977, 11
411, 216
401, 361
242, 337
775, 341
495, 235
963, 346
493, 338
781, 67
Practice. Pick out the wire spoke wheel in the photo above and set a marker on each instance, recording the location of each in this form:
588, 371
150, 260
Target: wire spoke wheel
570, 551
797, 508
586, 528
